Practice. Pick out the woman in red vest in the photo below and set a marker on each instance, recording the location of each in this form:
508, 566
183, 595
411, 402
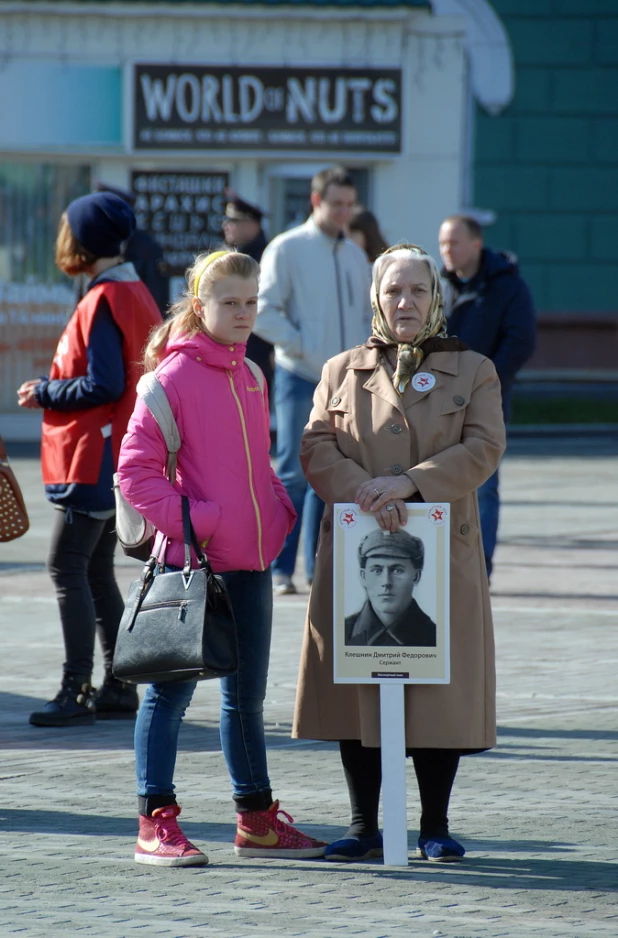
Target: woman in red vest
87, 400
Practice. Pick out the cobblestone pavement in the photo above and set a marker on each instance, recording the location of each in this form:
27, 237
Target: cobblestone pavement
537, 814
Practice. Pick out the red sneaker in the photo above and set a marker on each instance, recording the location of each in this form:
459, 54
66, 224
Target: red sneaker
264, 834
161, 842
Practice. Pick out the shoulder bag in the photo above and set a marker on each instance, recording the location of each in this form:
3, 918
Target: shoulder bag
177, 626
14, 519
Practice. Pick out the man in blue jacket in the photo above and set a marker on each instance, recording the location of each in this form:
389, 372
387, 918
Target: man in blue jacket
489, 307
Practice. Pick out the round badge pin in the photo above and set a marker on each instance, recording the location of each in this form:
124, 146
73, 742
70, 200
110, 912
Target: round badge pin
423, 381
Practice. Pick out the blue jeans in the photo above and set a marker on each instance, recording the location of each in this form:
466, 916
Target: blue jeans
242, 702
293, 403
489, 510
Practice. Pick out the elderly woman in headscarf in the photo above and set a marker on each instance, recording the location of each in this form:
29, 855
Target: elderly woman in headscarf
410, 416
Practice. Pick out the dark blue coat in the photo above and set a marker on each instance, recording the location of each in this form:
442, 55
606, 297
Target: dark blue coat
493, 313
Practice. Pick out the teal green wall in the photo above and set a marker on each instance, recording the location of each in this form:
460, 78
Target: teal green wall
548, 164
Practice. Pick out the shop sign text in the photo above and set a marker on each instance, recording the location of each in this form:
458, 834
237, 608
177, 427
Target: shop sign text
196, 107
183, 212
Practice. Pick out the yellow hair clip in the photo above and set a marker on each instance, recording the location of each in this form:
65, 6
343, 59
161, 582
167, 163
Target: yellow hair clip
208, 261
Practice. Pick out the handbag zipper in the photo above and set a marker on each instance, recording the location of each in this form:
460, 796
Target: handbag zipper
182, 607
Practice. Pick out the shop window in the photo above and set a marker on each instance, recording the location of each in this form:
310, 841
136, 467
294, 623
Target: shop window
32, 199
36, 300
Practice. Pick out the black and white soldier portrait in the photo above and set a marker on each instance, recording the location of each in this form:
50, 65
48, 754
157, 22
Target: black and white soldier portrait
390, 567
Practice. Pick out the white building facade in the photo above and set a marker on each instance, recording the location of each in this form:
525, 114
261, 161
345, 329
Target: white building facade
180, 100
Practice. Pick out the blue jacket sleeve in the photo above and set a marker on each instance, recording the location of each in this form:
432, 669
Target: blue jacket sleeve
104, 380
517, 335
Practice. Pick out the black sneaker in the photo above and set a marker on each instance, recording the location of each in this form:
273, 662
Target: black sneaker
72, 706
116, 700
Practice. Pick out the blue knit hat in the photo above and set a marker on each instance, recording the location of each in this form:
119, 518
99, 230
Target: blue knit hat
101, 221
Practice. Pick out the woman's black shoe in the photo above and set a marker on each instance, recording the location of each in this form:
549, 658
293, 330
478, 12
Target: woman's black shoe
116, 700
72, 706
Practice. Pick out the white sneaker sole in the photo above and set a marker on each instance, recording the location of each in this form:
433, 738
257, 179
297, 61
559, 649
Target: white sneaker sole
307, 853
151, 860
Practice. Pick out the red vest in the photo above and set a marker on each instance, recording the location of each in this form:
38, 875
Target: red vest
72, 442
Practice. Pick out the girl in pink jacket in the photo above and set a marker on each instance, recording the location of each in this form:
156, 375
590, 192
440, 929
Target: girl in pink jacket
242, 515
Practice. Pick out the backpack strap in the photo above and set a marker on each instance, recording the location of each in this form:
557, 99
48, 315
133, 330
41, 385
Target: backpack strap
151, 391
257, 372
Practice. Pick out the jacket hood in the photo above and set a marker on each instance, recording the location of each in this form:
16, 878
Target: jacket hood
493, 264
120, 273
201, 347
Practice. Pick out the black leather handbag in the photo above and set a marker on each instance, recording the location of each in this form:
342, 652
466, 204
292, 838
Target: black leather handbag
177, 626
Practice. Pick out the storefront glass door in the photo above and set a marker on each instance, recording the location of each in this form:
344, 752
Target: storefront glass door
289, 189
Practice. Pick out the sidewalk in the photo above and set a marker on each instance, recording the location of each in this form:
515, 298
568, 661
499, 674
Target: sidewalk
537, 815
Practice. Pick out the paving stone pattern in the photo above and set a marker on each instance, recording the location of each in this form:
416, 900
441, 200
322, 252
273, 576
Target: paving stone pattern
537, 814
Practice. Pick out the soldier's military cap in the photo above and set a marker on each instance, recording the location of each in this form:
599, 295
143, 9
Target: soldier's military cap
397, 544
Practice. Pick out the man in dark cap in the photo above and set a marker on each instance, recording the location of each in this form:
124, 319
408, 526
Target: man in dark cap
145, 253
390, 567
242, 229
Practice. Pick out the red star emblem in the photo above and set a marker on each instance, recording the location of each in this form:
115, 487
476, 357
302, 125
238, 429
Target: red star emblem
438, 514
423, 381
348, 518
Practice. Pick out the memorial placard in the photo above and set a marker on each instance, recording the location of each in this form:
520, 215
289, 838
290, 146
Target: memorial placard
391, 597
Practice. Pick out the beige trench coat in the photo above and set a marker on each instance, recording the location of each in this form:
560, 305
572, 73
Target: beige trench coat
449, 440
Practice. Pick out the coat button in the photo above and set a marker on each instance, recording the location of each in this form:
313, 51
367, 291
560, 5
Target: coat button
396, 469
459, 400
233, 362
197, 358
326, 526
464, 529
396, 428
334, 401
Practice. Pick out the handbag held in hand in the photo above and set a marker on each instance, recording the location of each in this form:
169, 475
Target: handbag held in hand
177, 626
13, 515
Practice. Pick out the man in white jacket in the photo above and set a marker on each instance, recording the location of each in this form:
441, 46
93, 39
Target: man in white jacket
313, 304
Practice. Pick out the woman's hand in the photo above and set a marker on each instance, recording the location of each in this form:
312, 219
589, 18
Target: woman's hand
26, 396
382, 491
393, 515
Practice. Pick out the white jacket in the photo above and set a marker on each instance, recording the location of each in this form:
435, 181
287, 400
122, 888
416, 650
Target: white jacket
314, 298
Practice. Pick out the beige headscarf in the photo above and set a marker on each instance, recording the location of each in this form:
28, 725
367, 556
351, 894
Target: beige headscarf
409, 357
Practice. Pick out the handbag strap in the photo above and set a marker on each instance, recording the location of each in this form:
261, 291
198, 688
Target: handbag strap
3, 453
190, 539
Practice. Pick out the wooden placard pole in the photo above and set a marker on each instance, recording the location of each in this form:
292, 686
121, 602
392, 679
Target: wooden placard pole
394, 809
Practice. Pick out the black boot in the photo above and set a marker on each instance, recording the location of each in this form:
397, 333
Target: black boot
72, 706
116, 700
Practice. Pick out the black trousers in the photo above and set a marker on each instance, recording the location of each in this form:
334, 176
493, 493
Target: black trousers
81, 565
435, 773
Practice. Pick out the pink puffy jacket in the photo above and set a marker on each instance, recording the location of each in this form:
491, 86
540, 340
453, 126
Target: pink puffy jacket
239, 508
